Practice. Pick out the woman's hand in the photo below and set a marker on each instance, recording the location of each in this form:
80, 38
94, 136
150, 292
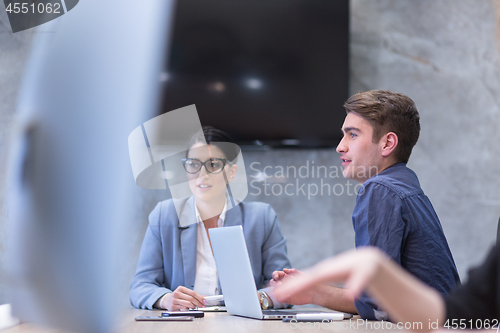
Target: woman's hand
182, 298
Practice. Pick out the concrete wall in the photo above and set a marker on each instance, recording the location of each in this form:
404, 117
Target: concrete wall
445, 54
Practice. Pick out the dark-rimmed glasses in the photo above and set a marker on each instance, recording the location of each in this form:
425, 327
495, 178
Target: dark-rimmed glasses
213, 165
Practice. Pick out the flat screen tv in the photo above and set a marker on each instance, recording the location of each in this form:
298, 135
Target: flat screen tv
269, 72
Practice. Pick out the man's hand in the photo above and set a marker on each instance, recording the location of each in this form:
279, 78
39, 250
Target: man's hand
182, 298
289, 274
357, 268
402, 295
280, 276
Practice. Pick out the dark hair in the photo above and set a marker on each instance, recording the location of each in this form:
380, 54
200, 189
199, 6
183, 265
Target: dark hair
388, 111
218, 138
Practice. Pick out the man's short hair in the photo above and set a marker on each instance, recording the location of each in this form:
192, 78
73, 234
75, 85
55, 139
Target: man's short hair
388, 111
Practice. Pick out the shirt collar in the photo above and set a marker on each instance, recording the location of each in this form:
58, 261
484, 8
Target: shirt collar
222, 215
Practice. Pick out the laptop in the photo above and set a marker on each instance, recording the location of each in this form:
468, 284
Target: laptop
236, 276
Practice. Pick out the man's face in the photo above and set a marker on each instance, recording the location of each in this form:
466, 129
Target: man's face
361, 158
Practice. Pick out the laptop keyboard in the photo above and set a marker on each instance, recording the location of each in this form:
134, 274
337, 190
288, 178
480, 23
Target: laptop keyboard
278, 314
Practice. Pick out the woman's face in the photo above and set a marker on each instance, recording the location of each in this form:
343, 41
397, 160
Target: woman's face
207, 187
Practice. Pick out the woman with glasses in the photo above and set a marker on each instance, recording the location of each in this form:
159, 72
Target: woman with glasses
176, 267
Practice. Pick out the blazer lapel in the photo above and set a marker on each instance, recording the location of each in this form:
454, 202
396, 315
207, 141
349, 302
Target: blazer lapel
233, 217
189, 239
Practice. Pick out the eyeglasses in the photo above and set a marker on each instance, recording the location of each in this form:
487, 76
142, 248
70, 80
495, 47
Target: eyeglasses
215, 165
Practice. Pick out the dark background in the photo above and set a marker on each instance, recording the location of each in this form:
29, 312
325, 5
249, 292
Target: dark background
294, 53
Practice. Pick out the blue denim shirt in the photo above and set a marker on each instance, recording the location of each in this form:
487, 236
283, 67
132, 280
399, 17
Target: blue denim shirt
393, 213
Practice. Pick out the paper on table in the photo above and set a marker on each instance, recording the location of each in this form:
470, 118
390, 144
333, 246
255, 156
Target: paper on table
6, 319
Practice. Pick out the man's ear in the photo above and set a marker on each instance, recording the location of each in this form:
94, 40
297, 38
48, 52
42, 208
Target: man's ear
389, 143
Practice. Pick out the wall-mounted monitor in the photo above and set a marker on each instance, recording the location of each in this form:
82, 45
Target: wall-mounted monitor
271, 72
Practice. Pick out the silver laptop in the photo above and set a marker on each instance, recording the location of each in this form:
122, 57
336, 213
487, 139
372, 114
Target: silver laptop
236, 276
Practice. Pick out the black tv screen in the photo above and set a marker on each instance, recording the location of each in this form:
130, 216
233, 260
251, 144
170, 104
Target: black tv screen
269, 72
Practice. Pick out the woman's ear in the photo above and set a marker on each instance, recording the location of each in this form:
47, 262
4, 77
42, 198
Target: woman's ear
232, 172
390, 142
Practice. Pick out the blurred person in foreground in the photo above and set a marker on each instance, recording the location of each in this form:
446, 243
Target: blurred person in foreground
475, 304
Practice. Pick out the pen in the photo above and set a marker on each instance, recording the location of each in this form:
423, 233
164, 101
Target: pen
213, 300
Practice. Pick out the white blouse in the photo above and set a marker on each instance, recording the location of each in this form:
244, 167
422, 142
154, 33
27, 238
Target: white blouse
207, 280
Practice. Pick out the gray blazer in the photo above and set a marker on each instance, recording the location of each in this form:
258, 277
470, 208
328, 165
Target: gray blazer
168, 254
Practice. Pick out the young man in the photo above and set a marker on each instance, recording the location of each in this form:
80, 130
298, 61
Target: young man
392, 212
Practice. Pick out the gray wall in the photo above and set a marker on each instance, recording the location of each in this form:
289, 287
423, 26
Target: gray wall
445, 54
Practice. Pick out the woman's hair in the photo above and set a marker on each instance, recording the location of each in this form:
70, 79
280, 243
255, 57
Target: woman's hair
218, 138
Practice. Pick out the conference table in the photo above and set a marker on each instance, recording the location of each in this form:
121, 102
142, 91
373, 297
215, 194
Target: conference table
220, 322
